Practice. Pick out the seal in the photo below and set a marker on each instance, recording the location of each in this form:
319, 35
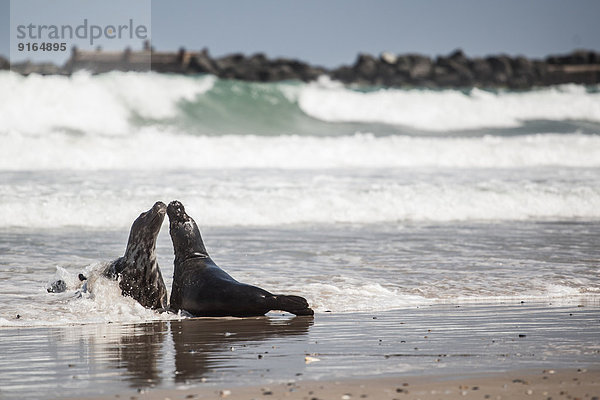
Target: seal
203, 289
58, 286
137, 271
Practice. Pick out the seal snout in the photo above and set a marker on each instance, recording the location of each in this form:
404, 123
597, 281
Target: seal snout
160, 208
175, 210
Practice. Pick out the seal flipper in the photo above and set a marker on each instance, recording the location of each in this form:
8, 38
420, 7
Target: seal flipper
293, 304
113, 270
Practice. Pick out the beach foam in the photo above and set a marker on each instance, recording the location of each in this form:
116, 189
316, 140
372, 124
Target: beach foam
372, 297
106, 104
446, 110
101, 302
104, 302
151, 149
274, 198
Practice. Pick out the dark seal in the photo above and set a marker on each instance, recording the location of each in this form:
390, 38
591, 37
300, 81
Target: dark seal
137, 271
203, 289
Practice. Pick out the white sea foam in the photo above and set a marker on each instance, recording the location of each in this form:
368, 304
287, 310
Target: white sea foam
449, 109
84, 103
358, 297
151, 149
101, 302
272, 199
106, 304
350, 295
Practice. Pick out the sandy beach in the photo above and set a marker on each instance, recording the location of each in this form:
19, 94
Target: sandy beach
546, 384
518, 350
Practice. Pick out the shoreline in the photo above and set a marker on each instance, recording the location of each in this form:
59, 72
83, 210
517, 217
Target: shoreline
513, 384
580, 302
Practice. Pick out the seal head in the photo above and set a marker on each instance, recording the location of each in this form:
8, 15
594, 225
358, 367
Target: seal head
186, 237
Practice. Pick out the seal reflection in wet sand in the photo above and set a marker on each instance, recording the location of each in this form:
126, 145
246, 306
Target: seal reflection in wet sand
203, 289
137, 271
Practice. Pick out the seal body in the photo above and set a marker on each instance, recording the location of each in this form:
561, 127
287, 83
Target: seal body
203, 289
137, 271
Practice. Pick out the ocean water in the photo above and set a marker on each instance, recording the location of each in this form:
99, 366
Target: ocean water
358, 199
361, 200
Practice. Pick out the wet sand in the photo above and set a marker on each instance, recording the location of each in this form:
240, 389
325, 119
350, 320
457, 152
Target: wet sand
546, 384
442, 348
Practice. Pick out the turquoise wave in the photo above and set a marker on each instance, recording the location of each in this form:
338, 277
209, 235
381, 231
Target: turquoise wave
273, 109
265, 109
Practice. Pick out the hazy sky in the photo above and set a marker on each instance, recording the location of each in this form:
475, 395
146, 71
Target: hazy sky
332, 32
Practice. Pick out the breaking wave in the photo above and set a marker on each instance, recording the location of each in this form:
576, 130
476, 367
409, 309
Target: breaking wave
120, 103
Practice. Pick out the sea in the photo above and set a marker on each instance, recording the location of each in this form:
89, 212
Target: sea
368, 201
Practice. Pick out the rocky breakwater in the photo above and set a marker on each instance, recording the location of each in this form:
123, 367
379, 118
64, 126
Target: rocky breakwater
457, 70
409, 70
257, 67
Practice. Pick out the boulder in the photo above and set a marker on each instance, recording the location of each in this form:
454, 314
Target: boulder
482, 71
203, 63
502, 69
453, 70
421, 67
459, 57
343, 74
523, 73
388, 58
229, 62
366, 67
445, 77
403, 64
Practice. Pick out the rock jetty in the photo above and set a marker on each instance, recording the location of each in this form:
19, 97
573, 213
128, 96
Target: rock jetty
455, 70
